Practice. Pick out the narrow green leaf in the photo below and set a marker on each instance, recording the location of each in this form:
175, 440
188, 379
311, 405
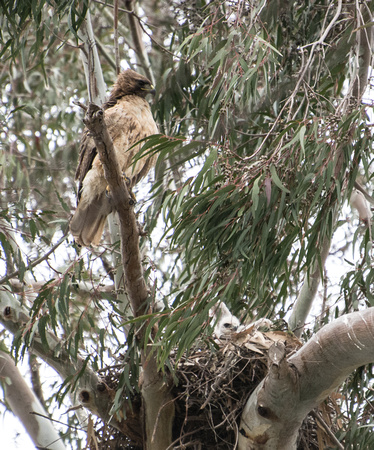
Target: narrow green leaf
255, 195
302, 138
211, 158
276, 180
33, 229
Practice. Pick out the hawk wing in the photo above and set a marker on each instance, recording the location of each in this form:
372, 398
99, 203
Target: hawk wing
87, 153
128, 121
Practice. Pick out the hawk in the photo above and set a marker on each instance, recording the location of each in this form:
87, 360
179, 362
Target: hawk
128, 117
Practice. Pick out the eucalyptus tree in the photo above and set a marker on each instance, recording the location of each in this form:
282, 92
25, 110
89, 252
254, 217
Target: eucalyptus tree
264, 117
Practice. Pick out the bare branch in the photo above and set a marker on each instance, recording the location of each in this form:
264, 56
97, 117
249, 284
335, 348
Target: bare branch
308, 292
24, 403
81, 105
116, 48
36, 261
136, 33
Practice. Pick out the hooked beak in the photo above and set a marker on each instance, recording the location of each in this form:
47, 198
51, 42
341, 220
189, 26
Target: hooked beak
150, 90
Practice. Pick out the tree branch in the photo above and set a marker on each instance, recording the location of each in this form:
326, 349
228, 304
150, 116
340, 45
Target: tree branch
276, 409
159, 406
123, 204
36, 261
327, 359
364, 50
92, 392
308, 292
116, 48
138, 41
91, 62
24, 403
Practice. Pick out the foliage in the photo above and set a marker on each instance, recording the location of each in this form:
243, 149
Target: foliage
261, 142
267, 194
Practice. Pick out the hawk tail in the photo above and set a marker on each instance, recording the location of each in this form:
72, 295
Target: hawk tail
87, 223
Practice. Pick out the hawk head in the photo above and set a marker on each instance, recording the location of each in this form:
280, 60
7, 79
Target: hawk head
130, 83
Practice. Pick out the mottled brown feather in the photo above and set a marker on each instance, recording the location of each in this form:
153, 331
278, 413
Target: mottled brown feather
129, 119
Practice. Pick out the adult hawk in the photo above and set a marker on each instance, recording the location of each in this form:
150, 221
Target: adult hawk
128, 118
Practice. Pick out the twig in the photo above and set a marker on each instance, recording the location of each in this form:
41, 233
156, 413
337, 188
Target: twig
72, 427
81, 105
301, 77
136, 29
324, 425
116, 48
36, 261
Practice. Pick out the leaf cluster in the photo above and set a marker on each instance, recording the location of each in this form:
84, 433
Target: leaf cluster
41, 18
252, 219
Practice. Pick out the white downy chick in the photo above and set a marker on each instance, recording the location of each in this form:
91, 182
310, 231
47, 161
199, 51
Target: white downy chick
224, 322
359, 202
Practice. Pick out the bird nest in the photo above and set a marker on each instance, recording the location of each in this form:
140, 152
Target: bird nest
214, 384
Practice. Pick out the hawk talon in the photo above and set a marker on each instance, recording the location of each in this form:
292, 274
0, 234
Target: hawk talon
128, 183
127, 180
132, 200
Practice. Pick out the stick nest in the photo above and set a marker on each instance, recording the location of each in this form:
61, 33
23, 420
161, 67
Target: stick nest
214, 382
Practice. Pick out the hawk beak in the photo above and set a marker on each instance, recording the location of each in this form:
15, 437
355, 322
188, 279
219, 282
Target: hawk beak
150, 90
